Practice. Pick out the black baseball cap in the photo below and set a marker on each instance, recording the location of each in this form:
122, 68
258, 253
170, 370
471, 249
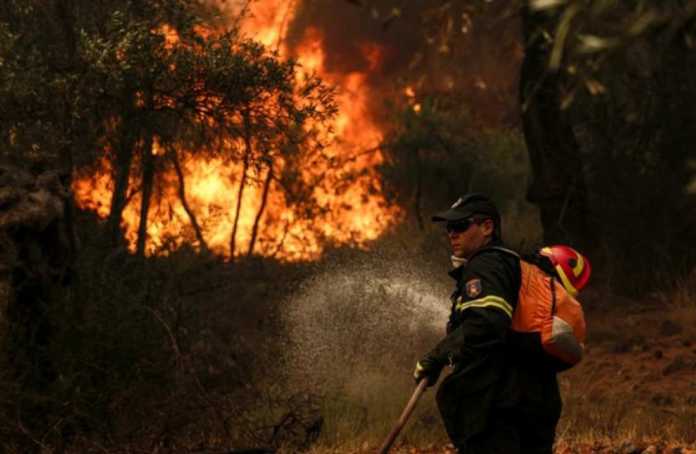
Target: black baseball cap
467, 206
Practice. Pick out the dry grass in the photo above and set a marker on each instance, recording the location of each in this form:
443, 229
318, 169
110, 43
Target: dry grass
637, 382
626, 417
371, 407
682, 293
637, 386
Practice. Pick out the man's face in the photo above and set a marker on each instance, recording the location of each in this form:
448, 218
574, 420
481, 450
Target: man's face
468, 236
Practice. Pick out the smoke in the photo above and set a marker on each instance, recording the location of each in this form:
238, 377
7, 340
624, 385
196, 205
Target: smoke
346, 29
474, 55
358, 318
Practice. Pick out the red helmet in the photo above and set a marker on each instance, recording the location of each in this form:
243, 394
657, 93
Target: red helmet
571, 266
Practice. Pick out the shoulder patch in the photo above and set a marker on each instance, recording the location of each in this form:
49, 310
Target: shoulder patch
473, 287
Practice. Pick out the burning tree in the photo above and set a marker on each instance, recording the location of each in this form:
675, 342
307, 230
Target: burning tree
138, 103
195, 95
178, 130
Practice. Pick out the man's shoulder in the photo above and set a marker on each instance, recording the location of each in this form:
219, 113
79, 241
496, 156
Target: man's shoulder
494, 256
496, 272
498, 264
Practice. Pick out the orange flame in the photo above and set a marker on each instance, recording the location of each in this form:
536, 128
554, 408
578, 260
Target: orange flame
353, 215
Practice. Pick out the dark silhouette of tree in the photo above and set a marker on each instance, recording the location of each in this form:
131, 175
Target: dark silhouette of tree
591, 75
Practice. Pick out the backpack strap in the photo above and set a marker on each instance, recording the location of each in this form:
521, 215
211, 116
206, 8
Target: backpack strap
542, 262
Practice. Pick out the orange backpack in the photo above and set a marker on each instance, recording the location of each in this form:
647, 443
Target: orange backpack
547, 312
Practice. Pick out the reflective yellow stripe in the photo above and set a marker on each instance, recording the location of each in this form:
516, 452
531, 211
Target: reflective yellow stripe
579, 266
488, 301
566, 282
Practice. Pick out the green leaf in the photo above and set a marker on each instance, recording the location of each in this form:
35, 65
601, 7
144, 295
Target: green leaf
561, 35
595, 87
593, 43
541, 5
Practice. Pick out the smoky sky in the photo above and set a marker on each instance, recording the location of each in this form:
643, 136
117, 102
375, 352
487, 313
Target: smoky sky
347, 27
480, 64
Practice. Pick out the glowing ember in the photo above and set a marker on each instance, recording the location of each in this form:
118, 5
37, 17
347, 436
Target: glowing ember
353, 208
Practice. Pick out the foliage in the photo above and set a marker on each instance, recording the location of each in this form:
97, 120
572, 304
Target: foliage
177, 352
436, 153
635, 138
582, 37
589, 33
148, 84
142, 85
606, 87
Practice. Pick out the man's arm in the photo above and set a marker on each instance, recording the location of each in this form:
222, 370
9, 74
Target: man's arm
489, 294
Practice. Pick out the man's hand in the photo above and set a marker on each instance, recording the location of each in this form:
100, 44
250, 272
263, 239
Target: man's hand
428, 368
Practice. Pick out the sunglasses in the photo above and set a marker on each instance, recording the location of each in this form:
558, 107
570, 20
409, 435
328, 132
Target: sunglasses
463, 225
460, 226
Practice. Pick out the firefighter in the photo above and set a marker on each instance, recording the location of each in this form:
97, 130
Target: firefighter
492, 402
477, 400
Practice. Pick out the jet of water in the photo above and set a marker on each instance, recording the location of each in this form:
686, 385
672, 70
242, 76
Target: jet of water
373, 317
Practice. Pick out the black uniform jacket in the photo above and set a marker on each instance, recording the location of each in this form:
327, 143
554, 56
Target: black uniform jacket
483, 379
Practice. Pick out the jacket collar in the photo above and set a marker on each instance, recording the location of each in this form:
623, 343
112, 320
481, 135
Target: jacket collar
459, 263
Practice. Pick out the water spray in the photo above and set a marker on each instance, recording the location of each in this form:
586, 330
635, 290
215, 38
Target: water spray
358, 315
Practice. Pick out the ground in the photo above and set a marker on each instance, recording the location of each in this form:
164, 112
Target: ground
635, 391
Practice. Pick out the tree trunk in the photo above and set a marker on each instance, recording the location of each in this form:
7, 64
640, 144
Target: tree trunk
262, 208
121, 172
73, 127
148, 175
242, 183
184, 203
558, 184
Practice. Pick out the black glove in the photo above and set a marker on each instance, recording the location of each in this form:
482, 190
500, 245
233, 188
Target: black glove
428, 368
